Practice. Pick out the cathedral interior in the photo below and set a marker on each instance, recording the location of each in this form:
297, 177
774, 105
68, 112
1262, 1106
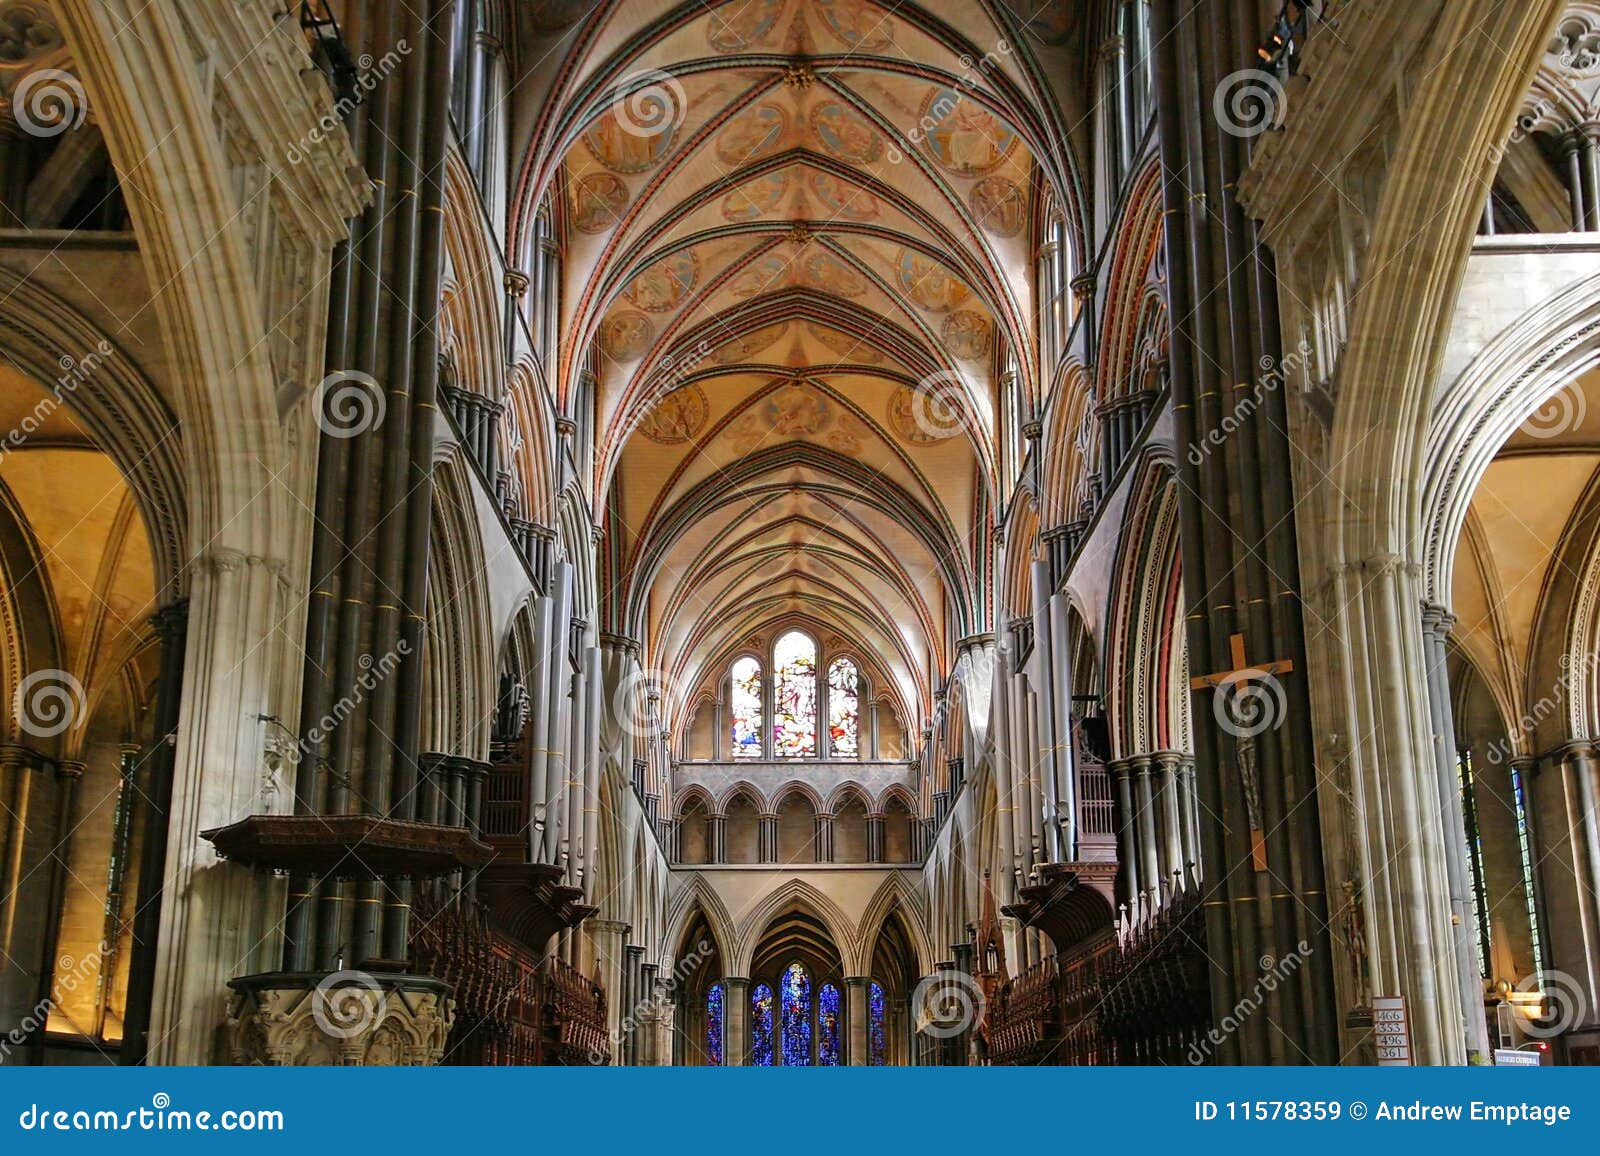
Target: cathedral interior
799, 532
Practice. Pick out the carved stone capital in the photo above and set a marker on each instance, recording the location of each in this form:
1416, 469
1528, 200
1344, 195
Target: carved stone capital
343, 1018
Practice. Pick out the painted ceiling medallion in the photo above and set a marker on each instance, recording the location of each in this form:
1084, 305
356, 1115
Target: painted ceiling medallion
964, 138
624, 146
826, 273
967, 335
747, 345
625, 335
998, 205
597, 203
845, 345
844, 134
920, 418
743, 25
766, 274
844, 199
665, 284
677, 418
858, 25
752, 133
929, 284
755, 199
797, 410
846, 436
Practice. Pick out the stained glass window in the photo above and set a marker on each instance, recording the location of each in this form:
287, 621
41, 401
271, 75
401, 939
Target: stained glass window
761, 1026
828, 1047
844, 715
746, 708
877, 1037
1519, 797
1480, 883
796, 1017
714, 1025
794, 729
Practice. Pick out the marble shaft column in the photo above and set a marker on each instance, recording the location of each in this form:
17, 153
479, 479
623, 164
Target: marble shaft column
1240, 554
1437, 623
171, 625
736, 1021
1050, 732
1066, 818
857, 1016
1005, 770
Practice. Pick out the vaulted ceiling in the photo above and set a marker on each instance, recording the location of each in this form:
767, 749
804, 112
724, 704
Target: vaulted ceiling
797, 264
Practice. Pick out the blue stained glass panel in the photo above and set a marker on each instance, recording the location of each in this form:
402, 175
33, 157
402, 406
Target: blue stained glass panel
828, 1047
761, 1026
714, 1050
877, 1037
796, 1017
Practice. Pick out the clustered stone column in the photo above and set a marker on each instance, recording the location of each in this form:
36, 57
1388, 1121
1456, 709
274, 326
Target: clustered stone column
1565, 786
1437, 623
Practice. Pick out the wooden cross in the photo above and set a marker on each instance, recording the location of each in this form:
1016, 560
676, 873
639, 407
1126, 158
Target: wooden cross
1237, 681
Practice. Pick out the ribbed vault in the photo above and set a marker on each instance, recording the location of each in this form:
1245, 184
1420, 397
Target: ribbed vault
797, 284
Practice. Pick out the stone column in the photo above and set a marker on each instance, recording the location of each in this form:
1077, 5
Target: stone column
1568, 859
857, 1018
736, 1021
824, 837
1169, 792
876, 851
1121, 771
716, 838
608, 937
1436, 626
767, 839
1149, 843
16, 794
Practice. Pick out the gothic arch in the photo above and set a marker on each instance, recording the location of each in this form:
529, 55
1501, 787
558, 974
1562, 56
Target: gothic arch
896, 898
459, 662
53, 343
1146, 703
1511, 376
794, 895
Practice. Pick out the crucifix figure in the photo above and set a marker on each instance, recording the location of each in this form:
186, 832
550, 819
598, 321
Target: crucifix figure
1236, 688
